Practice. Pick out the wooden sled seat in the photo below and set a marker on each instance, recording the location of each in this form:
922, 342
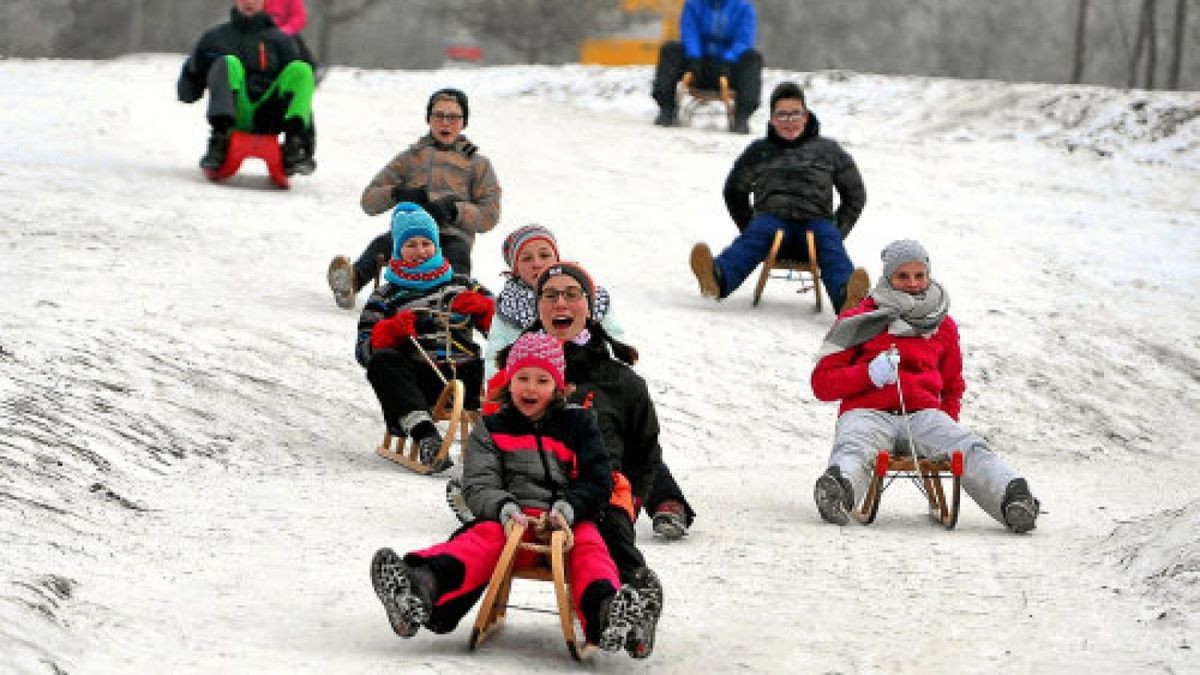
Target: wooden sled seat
793, 263
691, 98
448, 409
243, 144
536, 560
926, 474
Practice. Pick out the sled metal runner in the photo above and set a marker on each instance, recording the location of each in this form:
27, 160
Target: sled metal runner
541, 559
690, 98
926, 474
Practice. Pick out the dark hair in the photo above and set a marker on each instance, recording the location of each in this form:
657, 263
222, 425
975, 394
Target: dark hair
787, 90
440, 94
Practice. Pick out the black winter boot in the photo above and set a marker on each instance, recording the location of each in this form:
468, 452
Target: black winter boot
406, 592
834, 496
218, 149
1019, 506
297, 155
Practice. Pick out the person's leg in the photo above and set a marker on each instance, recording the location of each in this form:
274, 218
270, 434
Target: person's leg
394, 377
746, 80
666, 80
227, 102
986, 476
588, 564
620, 536
833, 260
857, 438
368, 263
746, 252
461, 568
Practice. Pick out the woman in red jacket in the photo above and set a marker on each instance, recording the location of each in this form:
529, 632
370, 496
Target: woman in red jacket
901, 339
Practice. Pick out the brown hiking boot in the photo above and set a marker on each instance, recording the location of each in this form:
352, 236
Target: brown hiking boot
857, 288
702, 267
341, 281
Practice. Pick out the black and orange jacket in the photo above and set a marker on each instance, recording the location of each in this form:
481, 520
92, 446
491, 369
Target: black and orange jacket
255, 40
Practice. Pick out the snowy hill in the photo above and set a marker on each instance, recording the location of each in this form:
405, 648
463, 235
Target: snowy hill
186, 476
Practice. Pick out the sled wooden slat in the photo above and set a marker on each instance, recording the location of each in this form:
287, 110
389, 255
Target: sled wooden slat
449, 409
931, 475
804, 271
690, 98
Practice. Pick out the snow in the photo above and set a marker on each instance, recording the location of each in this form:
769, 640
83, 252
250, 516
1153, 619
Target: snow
185, 458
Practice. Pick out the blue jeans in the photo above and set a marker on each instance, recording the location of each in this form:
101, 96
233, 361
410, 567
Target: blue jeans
751, 247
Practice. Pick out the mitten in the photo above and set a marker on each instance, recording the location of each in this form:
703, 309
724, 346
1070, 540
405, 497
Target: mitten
390, 332
883, 368
449, 206
418, 196
511, 513
562, 515
476, 305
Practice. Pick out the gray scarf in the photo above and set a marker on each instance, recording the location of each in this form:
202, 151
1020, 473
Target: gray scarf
899, 313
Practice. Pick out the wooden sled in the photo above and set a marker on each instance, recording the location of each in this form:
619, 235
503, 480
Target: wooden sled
690, 98
243, 144
802, 269
551, 566
449, 409
926, 474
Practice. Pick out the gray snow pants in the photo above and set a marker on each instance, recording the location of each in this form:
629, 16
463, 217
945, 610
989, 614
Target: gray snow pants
861, 434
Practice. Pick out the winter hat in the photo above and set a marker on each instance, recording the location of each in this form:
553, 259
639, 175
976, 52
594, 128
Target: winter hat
576, 272
903, 251
408, 221
539, 350
513, 243
440, 94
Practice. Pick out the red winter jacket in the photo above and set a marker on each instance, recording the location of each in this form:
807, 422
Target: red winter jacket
930, 371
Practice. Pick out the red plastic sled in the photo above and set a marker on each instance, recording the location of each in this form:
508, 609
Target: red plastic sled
243, 145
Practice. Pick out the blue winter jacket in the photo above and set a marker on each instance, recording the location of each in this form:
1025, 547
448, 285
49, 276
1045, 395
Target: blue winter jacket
717, 29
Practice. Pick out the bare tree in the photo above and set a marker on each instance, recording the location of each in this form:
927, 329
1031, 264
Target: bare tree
536, 29
1080, 41
1146, 44
1177, 41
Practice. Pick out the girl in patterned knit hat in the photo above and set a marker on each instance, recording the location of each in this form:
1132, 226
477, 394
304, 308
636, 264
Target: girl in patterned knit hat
398, 332
536, 458
527, 252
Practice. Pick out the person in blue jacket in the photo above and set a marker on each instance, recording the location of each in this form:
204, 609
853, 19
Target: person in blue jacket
716, 38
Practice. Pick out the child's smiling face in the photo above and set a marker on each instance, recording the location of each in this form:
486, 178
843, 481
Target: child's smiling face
532, 390
533, 258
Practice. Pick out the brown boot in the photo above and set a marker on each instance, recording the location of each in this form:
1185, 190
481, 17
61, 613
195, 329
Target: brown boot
857, 288
702, 267
341, 281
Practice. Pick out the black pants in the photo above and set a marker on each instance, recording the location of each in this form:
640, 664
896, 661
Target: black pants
405, 384
621, 539
745, 77
455, 250
665, 488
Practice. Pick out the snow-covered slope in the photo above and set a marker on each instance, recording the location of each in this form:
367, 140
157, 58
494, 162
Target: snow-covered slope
186, 477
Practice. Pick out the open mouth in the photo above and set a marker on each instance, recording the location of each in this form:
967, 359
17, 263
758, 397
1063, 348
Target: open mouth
562, 322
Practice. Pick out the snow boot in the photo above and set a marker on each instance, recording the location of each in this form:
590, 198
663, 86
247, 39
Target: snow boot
297, 156
456, 501
857, 289
705, 271
406, 593
620, 614
834, 496
1019, 507
341, 278
218, 149
741, 124
428, 446
640, 642
666, 117
670, 520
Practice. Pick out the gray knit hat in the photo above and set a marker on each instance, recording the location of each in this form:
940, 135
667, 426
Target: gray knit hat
903, 251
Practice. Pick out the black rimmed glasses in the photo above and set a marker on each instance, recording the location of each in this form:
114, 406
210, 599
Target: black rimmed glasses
568, 294
446, 117
789, 115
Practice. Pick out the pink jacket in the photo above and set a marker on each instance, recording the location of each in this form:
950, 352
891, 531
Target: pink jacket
289, 15
930, 371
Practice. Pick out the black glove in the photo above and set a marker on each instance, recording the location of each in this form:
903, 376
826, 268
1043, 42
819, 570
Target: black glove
418, 196
724, 70
449, 208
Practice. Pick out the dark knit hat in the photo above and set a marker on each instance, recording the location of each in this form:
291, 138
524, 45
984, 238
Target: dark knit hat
513, 243
576, 272
448, 93
539, 350
903, 251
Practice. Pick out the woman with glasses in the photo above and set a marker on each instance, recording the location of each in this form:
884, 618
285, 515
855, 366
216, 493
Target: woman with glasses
445, 174
792, 174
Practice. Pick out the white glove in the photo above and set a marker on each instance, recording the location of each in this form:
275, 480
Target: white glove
883, 368
511, 513
562, 515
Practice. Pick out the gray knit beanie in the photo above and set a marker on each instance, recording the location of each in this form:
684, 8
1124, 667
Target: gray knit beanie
903, 251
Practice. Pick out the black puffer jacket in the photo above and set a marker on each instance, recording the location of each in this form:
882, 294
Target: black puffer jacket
623, 409
263, 49
794, 180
